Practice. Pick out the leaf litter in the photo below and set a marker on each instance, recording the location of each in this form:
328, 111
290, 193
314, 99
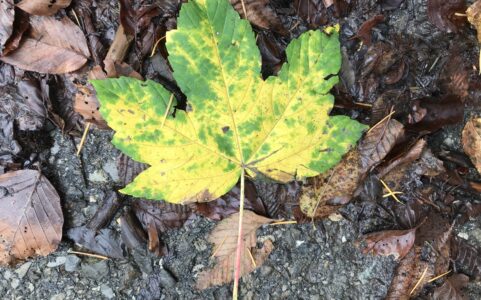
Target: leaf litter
425, 103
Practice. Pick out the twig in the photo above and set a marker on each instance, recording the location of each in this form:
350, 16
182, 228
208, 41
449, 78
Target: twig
84, 137
419, 281
88, 254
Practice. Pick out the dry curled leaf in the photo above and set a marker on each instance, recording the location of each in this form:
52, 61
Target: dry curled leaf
31, 218
379, 140
224, 237
408, 273
471, 139
52, 46
390, 242
43, 7
326, 193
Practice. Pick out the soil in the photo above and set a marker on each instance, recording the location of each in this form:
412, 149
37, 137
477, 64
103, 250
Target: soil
319, 260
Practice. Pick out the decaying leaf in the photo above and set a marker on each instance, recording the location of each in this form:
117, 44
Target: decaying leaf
312, 11
442, 14
471, 139
408, 273
43, 7
7, 16
52, 46
235, 120
379, 141
260, 14
467, 258
364, 32
31, 218
390, 242
224, 237
326, 193
20, 26
452, 288
409, 156
474, 17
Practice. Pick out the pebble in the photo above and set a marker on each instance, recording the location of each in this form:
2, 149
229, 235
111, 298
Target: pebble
23, 269
95, 271
110, 168
107, 291
165, 279
15, 283
58, 262
60, 296
98, 176
71, 263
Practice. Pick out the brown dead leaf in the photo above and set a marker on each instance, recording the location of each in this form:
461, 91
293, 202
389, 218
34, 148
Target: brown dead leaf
474, 17
390, 242
7, 15
224, 237
20, 26
407, 275
31, 218
452, 288
411, 155
379, 140
442, 14
52, 46
260, 14
326, 193
43, 7
364, 32
471, 139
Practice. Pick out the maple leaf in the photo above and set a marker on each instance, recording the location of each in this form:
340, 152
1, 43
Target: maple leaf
235, 121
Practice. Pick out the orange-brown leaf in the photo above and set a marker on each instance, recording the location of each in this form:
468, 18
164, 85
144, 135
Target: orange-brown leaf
224, 237
31, 218
390, 242
43, 7
471, 139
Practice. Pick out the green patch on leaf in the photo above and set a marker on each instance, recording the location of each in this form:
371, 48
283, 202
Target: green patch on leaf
279, 127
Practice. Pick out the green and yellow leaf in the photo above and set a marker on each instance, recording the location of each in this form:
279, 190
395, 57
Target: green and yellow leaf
279, 127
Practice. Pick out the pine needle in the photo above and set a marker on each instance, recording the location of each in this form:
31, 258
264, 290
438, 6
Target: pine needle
284, 222
84, 137
88, 254
439, 276
391, 192
252, 258
419, 281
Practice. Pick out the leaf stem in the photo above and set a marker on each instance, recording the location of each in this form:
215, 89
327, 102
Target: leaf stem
239, 239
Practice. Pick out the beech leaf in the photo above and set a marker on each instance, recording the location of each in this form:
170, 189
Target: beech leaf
52, 46
224, 237
43, 7
31, 218
279, 127
390, 242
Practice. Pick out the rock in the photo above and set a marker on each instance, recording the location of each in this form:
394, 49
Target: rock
58, 262
166, 279
14, 283
107, 291
266, 270
71, 263
110, 168
95, 271
98, 176
23, 269
60, 296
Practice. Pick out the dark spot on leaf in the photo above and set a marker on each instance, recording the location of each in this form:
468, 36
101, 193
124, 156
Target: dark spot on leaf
225, 129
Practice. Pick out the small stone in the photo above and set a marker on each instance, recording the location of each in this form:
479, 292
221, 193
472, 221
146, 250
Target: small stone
7, 275
111, 169
463, 235
58, 262
60, 296
23, 269
165, 279
31, 287
95, 271
343, 239
15, 283
107, 291
71, 263
98, 176
266, 270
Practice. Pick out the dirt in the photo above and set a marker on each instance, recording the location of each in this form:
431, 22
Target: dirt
320, 260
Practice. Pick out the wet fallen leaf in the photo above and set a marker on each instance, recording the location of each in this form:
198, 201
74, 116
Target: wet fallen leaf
326, 193
471, 139
7, 16
31, 218
429, 114
455, 76
20, 26
224, 237
441, 13
408, 273
94, 237
467, 258
474, 17
413, 153
260, 14
364, 32
390, 242
43, 7
272, 52
312, 11
379, 141
52, 46
452, 288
